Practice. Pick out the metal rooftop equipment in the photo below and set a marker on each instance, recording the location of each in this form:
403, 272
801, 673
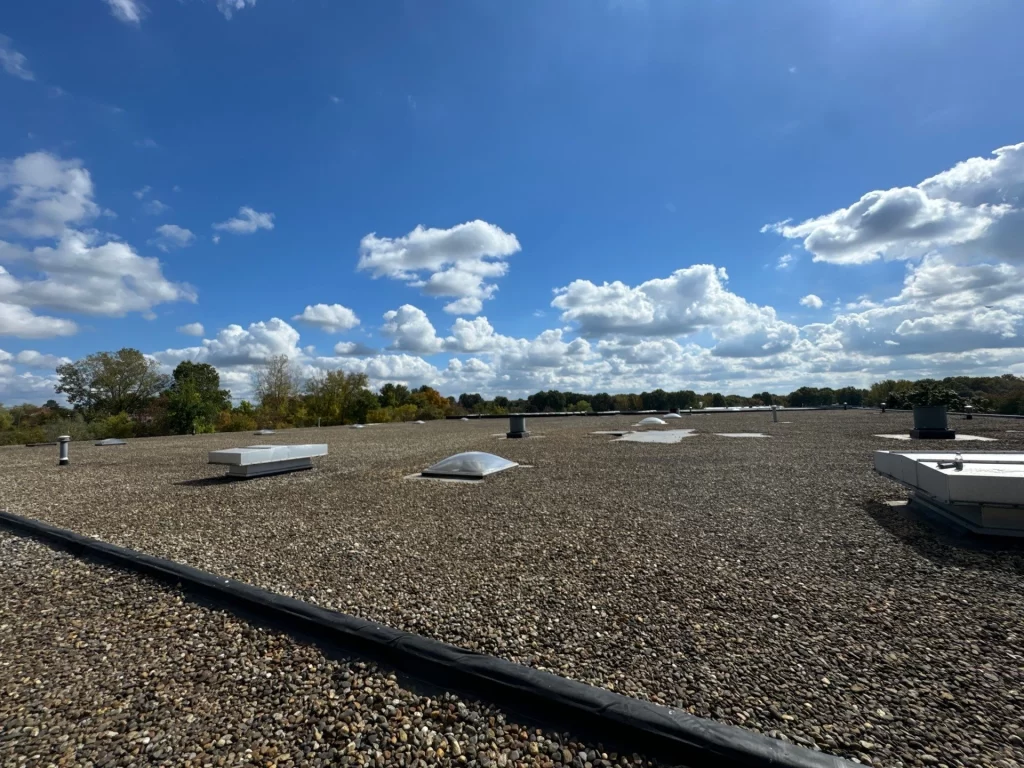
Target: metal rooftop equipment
650, 421
978, 491
472, 465
517, 426
930, 423
63, 459
258, 460
110, 441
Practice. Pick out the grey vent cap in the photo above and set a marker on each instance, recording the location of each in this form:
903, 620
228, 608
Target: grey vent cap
472, 465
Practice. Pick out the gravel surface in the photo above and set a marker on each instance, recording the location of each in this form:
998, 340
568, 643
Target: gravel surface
758, 582
101, 667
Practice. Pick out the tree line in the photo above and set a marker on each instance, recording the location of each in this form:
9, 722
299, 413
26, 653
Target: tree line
125, 394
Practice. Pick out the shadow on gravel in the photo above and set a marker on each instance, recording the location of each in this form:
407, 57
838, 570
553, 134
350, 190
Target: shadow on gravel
946, 545
205, 482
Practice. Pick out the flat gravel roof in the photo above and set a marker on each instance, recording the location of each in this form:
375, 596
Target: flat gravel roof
105, 667
761, 583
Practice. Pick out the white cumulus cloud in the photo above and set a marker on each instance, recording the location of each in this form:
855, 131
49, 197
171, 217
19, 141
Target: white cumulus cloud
247, 222
812, 301
455, 262
172, 236
192, 329
971, 210
330, 317
47, 195
411, 330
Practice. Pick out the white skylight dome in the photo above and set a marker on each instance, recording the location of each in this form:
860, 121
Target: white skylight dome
673, 416
419, 422
651, 421
472, 465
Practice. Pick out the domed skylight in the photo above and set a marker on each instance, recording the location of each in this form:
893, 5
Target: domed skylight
673, 416
472, 465
651, 421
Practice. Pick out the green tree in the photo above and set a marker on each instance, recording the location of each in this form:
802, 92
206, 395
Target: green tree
119, 425
393, 395
275, 383
337, 397
112, 382
470, 401
195, 398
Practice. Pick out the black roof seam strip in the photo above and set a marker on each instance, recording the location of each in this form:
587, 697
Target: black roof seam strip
645, 726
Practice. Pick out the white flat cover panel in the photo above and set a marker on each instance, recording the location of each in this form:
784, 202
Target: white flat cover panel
261, 454
986, 478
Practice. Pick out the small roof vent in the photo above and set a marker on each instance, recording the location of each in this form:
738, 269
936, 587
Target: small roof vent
111, 441
472, 465
419, 422
357, 426
651, 421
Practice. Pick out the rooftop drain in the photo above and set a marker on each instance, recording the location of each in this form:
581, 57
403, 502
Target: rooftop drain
471, 465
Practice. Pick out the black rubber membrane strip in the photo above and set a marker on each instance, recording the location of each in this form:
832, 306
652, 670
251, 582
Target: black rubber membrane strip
639, 725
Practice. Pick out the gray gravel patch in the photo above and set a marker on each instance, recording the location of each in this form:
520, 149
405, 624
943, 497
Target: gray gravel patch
101, 667
762, 583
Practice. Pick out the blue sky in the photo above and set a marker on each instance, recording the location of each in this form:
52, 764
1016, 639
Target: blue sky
618, 167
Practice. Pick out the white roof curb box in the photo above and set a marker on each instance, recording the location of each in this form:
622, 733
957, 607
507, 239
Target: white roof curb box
257, 460
980, 491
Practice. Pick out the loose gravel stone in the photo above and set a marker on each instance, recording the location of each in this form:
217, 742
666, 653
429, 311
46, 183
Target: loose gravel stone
757, 582
100, 667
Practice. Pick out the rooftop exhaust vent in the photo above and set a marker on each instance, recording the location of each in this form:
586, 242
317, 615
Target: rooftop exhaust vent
650, 421
472, 465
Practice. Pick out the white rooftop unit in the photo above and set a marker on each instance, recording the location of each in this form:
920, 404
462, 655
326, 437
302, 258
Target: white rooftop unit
980, 491
673, 416
257, 460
